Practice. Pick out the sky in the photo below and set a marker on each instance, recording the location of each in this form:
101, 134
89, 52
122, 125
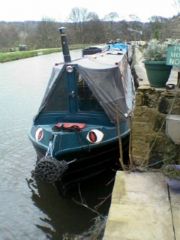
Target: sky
59, 10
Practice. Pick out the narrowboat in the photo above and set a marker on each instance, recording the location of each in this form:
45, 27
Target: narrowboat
94, 49
84, 113
122, 47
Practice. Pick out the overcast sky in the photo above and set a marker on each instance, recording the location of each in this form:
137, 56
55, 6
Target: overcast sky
59, 10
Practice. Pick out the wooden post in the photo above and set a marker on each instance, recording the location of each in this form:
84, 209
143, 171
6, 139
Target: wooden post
178, 80
130, 145
120, 142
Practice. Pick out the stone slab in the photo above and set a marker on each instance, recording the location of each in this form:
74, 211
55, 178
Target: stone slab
141, 210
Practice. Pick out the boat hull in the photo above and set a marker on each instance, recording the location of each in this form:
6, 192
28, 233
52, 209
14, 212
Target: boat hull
89, 162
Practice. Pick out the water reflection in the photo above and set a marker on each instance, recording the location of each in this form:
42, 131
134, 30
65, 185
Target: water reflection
73, 214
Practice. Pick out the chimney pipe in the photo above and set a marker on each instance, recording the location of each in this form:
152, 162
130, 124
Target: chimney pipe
64, 43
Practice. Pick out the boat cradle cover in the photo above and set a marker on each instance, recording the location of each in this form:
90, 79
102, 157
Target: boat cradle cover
108, 77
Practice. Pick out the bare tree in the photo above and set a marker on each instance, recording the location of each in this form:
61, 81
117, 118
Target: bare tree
9, 36
80, 17
93, 16
157, 24
111, 18
46, 35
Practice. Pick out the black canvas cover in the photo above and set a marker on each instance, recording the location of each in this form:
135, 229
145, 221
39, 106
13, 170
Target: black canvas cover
52, 86
108, 77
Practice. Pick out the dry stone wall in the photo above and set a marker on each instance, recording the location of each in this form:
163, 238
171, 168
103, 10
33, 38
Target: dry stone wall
150, 144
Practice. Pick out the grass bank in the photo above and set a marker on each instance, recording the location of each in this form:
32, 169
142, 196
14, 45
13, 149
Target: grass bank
11, 56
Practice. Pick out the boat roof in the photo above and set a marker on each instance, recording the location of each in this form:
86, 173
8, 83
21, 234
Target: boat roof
106, 60
108, 76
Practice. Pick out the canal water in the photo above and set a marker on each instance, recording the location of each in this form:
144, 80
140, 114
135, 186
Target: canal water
28, 211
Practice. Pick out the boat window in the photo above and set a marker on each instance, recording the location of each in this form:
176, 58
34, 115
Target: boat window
58, 101
86, 99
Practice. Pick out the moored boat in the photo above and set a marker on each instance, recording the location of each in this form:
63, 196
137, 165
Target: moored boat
94, 49
84, 113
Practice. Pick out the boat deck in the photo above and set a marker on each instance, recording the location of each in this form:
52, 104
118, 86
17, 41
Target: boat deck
143, 208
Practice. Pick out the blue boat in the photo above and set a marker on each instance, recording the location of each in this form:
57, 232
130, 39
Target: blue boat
116, 45
122, 48
84, 113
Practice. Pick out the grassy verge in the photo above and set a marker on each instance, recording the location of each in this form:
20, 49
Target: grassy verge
11, 56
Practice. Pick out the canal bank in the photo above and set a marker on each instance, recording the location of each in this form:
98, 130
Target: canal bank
17, 55
143, 207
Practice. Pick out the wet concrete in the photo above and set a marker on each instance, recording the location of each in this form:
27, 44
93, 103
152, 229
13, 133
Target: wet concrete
27, 211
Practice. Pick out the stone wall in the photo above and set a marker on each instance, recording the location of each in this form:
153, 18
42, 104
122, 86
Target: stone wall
150, 145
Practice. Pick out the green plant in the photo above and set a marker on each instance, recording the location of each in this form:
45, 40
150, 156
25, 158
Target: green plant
155, 51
